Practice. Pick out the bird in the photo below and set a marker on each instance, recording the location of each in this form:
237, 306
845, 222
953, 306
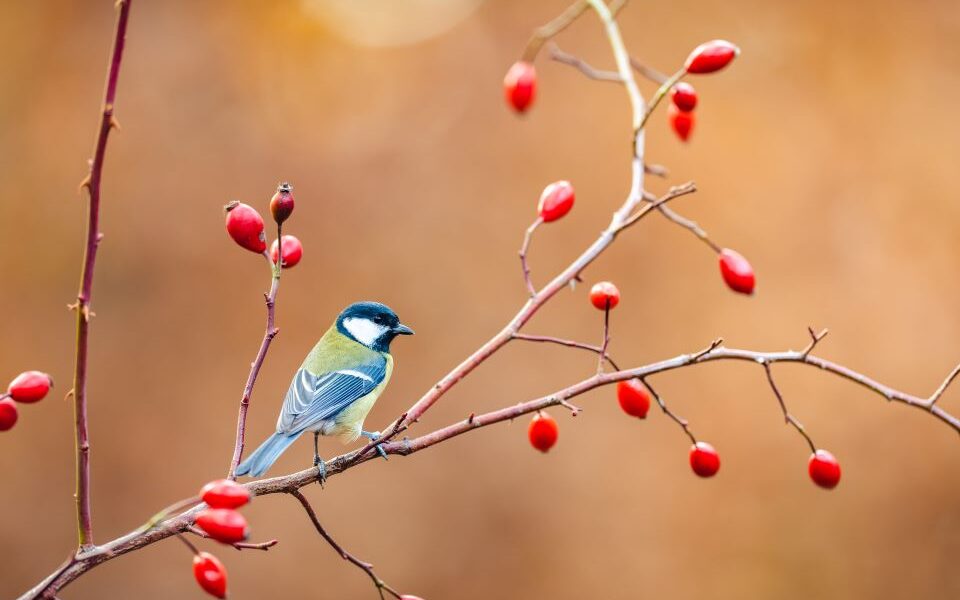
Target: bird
336, 386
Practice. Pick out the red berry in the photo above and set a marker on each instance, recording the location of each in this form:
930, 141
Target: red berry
30, 386
520, 85
604, 295
245, 226
210, 574
224, 493
223, 524
704, 460
292, 251
543, 432
684, 97
681, 122
633, 397
824, 469
8, 414
711, 56
555, 201
736, 271
409, 597
281, 205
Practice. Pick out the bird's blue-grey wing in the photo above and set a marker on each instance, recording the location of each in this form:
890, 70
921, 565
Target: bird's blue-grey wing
315, 398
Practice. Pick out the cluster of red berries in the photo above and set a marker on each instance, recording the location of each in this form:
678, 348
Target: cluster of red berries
27, 387
706, 58
634, 397
520, 84
223, 523
245, 226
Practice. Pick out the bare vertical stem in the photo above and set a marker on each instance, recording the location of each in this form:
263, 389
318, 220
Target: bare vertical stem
606, 338
269, 333
84, 296
523, 255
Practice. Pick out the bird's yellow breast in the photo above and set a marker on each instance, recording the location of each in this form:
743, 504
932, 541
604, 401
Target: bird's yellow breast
349, 422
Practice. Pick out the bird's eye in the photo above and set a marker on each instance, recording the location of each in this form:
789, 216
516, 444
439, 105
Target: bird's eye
378, 319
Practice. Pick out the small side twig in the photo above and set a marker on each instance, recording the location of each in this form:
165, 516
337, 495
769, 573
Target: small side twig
581, 65
563, 342
527, 238
648, 72
606, 338
364, 566
814, 340
683, 423
673, 193
787, 417
238, 545
544, 33
684, 222
943, 387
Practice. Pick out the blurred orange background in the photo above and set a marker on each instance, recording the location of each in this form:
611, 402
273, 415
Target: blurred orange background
826, 154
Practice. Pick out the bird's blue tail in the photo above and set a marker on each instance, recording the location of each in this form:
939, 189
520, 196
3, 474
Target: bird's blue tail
264, 456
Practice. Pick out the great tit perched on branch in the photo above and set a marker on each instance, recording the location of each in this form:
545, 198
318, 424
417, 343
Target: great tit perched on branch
337, 384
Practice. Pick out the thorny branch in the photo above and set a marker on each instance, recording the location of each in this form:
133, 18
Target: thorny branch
82, 306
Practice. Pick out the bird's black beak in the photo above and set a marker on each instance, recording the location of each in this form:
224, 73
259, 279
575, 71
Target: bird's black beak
402, 329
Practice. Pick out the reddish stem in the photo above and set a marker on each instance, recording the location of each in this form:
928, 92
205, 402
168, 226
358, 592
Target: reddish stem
269, 333
82, 306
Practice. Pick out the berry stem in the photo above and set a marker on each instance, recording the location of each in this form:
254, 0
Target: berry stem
661, 92
787, 417
606, 338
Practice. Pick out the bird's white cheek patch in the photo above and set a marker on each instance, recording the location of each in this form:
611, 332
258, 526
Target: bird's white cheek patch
364, 331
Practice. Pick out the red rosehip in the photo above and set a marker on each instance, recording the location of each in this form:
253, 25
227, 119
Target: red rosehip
633, 398
543, 432
711, 56
210, 574
30, 386
555, 201
736, 271
281, 205
824, 469
520, 85
604, 295
409, 597
245, 226
292, 251
704, 460
223, 524
224, 493
681, 122
8, 414
684, 97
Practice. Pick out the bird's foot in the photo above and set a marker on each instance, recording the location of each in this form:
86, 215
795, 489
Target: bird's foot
374, 436
321, 470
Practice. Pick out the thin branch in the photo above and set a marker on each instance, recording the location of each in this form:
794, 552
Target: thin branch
943, 386
814, 339
544, 33
648, 72
527, 238
684, 222
581, 65
787, 417
606, 338
85, 295
656, 170
562, 342
674, 192
683, 423
269, 333
238, 545
661, 92
364, 566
